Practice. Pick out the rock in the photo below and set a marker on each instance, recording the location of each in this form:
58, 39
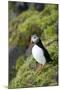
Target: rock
39, 7
20, 7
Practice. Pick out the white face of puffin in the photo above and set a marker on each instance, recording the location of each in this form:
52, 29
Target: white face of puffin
34, 38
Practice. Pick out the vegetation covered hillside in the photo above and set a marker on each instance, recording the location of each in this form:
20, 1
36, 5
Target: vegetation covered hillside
22, 66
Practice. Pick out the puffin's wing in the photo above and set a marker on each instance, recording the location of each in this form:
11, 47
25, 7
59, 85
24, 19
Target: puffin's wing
47, 55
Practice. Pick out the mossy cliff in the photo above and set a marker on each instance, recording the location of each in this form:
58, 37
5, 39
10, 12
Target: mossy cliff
45, 24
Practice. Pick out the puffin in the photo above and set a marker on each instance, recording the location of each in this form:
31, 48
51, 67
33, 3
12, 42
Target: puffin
39, 52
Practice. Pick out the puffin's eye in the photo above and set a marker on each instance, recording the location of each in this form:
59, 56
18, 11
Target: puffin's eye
34, 37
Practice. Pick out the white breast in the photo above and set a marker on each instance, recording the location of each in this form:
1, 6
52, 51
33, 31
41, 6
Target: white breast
38, 54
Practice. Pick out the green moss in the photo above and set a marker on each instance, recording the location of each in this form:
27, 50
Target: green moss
27, 77
53, 49
20, 61
24, 22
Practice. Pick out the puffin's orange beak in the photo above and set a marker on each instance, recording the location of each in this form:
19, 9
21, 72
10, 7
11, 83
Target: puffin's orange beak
31, 44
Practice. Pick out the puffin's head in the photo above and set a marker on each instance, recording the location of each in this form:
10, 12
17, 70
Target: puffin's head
34, 38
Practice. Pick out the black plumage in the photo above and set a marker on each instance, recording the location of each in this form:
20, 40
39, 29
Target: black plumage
46, 54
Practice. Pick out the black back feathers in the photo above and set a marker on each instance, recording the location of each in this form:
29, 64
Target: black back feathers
46, 54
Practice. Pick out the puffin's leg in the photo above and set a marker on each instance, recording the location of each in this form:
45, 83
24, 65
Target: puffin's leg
40, 67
